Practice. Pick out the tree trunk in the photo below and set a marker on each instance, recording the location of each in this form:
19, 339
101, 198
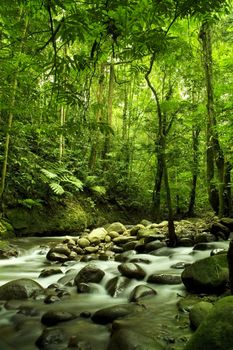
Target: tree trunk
195, 140
214, 152
230, 265
107, 144
99, 116
62, 138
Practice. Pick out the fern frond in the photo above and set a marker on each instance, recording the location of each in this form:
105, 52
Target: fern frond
57, 188
73, 180
101, 190
49, 174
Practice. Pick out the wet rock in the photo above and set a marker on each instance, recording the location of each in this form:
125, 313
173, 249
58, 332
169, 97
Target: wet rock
105, 256
134, 230
215, 331
180, 265
155, 237
140, 292
59, 253
203, 246
117, 285
198, 313
97, 235
145, 232
91, 250
23, 288
50, 299
185, 242
140, 260
51, 318
109, 314
116, 249
145, 222
8, 252
50, 272
123, 239
164, 279
130, 245
78, 250
209, 275
228, 222
83, 288
129, 339
113, 234
83, 242
125, 256
217, 228
74, 343
154, 245
164, 251
89, 273
204, 237
52, 336
217, 251
117, 227
131, 270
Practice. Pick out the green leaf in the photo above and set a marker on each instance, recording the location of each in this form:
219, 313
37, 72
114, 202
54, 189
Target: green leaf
49, 174
57, 188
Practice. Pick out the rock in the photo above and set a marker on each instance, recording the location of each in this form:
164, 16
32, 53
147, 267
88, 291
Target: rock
209, 275
131, 270
164, 279
185, 242
145, 222
7, 251
180, 265
217, 228
145, 232
91, 250
109, 314
203, 246
155, 237
204, 237
217, 251
215, 331
113, 234
83, 288
130, 245
53, 256
97, 235
117, 227
50, 272
51, 318
123, 239
20, 289
129, 339
198, 313
52, 336
123, 257
228, 222
89, 273
83, 242
134, 230
154, 245
140, 292
117, 285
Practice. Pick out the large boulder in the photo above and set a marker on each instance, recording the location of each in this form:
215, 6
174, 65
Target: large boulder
23, 288
209, 275
215, 332
132, 270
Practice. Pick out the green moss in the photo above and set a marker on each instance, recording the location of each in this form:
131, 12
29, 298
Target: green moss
215, 332
6, 230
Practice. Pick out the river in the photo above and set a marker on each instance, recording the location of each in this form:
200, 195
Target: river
20, 332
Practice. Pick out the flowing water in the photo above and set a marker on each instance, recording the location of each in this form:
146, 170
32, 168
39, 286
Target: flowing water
21, 332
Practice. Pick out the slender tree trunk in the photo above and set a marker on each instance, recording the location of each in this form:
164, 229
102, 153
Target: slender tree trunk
228, 198
62, 138
11, 115
230, 265
107, 145
161, 157
195, 140
214, 152
125, 149
99, 116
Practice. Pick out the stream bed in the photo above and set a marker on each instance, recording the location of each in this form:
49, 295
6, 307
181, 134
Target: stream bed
20, 321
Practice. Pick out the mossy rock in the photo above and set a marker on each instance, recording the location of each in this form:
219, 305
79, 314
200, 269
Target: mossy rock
215, 332
209, 275
6, 230
198, 313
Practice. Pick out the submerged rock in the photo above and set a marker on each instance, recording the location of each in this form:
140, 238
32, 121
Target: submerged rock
109, 314
164, 279
51, 318
140, 292
23, 288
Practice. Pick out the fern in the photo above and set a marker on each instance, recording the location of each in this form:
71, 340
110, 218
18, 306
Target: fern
57, 188
100, 190
49, 174
73, 180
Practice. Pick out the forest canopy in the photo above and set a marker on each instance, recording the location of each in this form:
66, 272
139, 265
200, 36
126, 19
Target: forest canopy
126, 100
